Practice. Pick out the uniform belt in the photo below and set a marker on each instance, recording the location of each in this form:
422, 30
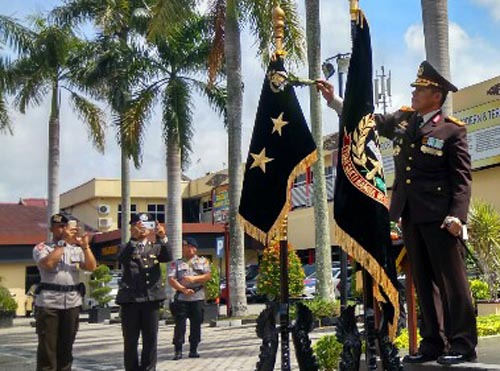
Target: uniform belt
60, 288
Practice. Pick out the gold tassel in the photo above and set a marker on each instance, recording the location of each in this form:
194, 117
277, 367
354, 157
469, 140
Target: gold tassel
380, 278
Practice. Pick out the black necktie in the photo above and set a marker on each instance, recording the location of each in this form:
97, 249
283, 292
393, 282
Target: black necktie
418, 124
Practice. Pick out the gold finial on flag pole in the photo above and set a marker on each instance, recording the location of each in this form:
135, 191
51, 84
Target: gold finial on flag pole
354, 9
279, 28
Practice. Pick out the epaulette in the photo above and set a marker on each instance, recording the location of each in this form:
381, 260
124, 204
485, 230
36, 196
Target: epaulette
406, 109
455, 120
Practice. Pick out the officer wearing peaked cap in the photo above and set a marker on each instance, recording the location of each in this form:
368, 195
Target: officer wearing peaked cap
142, 290
187, 276
431, 195
59, 294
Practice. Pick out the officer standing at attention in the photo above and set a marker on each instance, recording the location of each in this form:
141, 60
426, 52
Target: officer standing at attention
187, 276
59, 295
431, 195
142, 291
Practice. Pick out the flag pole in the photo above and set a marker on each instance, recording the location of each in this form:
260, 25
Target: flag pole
279, 32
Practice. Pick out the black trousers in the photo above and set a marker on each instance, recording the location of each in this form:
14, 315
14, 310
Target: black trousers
184, 310
437, 259
56, 330
140, 319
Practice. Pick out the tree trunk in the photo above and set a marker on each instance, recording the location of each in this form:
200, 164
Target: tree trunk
234, 108
324, 280
54, 155
174, 200
125, 186
435, 20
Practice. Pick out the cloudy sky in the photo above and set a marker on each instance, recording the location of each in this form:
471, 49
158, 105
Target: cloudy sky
397, 41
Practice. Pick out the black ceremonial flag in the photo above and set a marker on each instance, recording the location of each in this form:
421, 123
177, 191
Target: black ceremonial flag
360, 200
281, 148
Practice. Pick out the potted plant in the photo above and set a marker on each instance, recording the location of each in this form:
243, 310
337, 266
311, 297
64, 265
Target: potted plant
484, 242
268, 281
8, 307
211, 308
99, 291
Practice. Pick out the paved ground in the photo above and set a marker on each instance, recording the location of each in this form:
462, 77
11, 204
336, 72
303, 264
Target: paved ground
99, 347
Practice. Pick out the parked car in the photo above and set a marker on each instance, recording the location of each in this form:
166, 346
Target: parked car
310, 282
114, 284
251, 274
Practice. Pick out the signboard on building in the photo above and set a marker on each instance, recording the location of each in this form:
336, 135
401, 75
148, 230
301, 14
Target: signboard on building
220, 204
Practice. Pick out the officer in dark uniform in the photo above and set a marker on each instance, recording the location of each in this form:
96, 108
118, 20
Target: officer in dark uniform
142, 291
187, 276
431, 194
59, 294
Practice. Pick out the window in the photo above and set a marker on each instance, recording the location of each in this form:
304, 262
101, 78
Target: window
157, 211
133, 209
206, 206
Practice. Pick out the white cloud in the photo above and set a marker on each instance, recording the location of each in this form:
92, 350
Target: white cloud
492, 5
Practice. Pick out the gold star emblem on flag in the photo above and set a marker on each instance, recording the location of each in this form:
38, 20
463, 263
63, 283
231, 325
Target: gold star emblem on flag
260, 160
278, 123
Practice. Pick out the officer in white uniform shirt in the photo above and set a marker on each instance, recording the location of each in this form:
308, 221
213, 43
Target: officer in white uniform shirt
187, 276
59, 295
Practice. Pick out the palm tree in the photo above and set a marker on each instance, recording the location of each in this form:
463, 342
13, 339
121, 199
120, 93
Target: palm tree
45, 65
181, 56
322, 225
119, 22
435, 20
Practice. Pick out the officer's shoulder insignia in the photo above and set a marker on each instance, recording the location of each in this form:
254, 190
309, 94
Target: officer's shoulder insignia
172, 265
406, 109
455, 121
40, 246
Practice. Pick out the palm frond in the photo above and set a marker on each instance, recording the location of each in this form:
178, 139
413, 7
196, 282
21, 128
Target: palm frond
17, 36
134, 122
32, 83
216, 95
166, 15
216, 56
93, 116
259, 15
5, 123
177, 116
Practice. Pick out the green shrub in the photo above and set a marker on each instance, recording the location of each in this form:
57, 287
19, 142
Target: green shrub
268, 281
480, 290
8, 305
327, 351
488, 325
403, 340
212, 285
321, 308
99, 285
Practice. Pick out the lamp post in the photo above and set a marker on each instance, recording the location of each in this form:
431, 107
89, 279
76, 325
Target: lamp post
382, 89
343, 60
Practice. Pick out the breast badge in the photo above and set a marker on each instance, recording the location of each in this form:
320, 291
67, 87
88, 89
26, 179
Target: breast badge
432, 146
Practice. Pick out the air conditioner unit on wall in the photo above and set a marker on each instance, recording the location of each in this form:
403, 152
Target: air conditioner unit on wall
104, 222
103, 209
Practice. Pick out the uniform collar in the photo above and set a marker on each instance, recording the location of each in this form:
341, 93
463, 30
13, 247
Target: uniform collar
430, 115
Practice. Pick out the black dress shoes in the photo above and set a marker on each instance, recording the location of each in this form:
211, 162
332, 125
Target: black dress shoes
177, 356
419, 358
453, 358
194, 354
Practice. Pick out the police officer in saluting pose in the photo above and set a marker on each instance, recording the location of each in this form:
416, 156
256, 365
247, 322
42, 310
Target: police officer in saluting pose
431, 195
142, 291
187, 276
59, 294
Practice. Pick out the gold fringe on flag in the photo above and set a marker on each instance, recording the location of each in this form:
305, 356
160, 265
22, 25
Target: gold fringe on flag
259, 234
380, 278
